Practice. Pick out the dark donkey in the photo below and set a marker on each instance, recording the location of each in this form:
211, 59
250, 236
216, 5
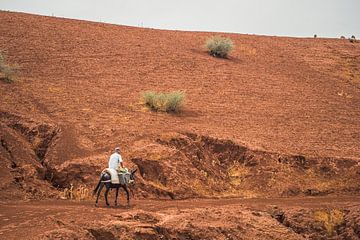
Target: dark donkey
105, 181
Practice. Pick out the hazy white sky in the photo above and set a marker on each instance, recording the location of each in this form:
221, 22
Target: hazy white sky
303, 18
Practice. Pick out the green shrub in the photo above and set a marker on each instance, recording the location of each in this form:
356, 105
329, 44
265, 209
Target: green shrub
6, 71
219, 46
166, 102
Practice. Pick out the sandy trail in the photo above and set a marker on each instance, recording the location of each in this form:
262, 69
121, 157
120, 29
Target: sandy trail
9, 208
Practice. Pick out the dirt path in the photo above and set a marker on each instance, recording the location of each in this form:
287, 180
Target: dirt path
31, 219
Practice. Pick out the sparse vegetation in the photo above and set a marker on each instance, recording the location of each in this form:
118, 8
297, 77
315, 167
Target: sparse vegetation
352, 39
219, 46
72, 193
237, 172
315, 36
7, 72
330, 219
165, 102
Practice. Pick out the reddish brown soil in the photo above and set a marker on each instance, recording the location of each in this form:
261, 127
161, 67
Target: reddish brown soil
279, 118
278, 94
195, 219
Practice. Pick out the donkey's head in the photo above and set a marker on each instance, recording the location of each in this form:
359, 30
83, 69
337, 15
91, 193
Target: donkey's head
132, 176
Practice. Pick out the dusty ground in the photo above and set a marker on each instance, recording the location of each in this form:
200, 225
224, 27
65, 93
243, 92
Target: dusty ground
288, 95
279, 118
305, 218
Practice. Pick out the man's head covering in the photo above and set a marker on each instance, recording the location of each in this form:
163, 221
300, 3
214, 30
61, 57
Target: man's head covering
117, 149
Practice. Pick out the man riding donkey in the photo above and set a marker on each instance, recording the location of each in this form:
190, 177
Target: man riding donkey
116, 162
115, 176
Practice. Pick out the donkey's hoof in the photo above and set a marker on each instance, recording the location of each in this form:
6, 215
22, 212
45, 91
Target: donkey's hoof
96, 205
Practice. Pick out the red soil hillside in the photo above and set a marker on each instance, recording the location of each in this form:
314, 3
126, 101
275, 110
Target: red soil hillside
277, 110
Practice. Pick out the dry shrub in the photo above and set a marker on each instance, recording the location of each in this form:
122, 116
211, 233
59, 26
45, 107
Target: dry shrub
330, 219
79, 193
60, 233
237, 172
352, 39
165, 102
7, 72
219, 46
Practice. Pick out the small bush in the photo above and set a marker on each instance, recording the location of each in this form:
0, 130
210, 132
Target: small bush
72, 193
331, 219
219, 46
6, 71
166, 102
315, 36
352, 39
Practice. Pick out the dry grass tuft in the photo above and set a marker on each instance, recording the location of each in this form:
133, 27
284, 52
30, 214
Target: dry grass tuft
7, 72
78, 193
330, 219
352, 39
237, 172
165, 102
219, 46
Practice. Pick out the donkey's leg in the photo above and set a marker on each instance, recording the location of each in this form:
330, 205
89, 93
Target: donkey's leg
127, 194
98, 193
106, 195
116, 195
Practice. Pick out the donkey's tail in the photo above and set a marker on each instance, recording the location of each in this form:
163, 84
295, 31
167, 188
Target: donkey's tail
98, 185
